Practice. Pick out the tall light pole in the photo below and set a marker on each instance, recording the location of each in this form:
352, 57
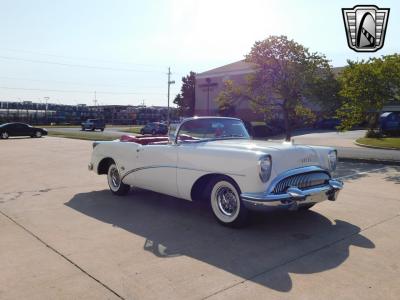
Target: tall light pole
46, 107
169, 83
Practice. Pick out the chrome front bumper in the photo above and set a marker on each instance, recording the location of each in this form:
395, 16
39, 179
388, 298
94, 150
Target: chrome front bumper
294, 196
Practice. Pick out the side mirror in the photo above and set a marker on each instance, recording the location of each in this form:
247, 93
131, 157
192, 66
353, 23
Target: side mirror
172, 131
171, 137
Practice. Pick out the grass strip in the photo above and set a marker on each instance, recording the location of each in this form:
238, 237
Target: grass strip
380, 142
134, 129
88, 136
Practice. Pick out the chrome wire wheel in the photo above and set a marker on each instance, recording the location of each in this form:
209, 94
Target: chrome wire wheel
114, 180
225, 201
115, 183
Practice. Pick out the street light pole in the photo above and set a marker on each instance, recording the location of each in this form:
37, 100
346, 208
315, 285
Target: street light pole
45, 112
169, 84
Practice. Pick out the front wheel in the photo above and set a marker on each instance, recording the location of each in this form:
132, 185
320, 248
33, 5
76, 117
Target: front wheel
4, 135
117, 187
228, 208
38, 134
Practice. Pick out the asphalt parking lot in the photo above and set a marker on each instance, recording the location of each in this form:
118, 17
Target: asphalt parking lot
64, 236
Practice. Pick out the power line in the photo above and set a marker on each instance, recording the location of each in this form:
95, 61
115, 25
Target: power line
77, 91
77, 83
75, 65
82, 58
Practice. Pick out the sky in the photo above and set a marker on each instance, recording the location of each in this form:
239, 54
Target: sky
119, 51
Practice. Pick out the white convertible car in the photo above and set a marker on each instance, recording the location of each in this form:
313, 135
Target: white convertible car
213, 159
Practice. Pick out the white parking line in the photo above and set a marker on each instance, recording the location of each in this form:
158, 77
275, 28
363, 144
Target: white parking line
360, 173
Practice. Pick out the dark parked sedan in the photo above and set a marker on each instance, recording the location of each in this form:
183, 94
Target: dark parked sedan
20, 129
154, 128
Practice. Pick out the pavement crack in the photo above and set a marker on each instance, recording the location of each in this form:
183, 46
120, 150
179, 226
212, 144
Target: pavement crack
302, 256
62, 255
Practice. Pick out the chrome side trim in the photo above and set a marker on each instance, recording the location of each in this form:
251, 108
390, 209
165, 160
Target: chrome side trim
176, 167
145, 168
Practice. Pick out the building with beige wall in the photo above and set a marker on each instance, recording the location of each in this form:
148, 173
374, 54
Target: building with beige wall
210, 83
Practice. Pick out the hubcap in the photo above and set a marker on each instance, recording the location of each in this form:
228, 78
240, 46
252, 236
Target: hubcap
227, 201
115, 179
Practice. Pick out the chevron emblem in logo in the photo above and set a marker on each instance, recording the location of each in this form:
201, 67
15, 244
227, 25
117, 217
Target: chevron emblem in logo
365, 27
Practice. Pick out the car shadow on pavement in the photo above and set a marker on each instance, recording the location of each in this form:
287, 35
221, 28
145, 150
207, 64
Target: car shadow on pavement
273, 246
351, 171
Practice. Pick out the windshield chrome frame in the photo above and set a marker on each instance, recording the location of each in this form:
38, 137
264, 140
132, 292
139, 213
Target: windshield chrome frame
178, 129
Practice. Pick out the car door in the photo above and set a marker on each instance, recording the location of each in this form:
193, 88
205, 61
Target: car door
156, 168
10, 129
19, 130
26, 130
146, 129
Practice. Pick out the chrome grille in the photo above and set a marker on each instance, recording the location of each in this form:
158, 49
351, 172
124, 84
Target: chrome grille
302, 181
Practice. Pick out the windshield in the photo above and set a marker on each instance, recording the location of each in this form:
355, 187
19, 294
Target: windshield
211, 129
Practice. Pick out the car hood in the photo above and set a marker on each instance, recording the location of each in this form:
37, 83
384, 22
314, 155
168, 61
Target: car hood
256, 145
289, 155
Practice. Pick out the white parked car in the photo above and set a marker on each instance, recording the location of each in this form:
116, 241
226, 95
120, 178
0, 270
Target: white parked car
213, 159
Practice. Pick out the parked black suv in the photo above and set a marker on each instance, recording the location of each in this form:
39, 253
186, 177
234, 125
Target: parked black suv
154, 128
93, 124
389, 123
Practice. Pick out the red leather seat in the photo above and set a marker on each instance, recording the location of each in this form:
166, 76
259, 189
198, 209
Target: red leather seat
144, 140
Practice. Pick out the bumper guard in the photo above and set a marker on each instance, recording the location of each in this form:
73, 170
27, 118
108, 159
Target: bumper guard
294, 196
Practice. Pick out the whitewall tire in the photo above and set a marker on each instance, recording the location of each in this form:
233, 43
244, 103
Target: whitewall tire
226, 205
115, 183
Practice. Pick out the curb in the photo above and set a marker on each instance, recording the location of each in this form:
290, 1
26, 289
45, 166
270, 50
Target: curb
374, 147
370, 161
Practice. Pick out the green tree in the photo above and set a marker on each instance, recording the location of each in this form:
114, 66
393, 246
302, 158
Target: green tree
185, 100
230, 96
366, 86
285, 74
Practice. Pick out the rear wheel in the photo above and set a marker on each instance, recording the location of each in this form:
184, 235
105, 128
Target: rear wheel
224, 197
115, 183
4, 135
153, 132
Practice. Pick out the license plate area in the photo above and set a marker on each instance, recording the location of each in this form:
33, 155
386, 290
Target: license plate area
316, 198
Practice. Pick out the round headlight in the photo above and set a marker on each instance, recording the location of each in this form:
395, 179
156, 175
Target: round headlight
265, 165
332, 159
